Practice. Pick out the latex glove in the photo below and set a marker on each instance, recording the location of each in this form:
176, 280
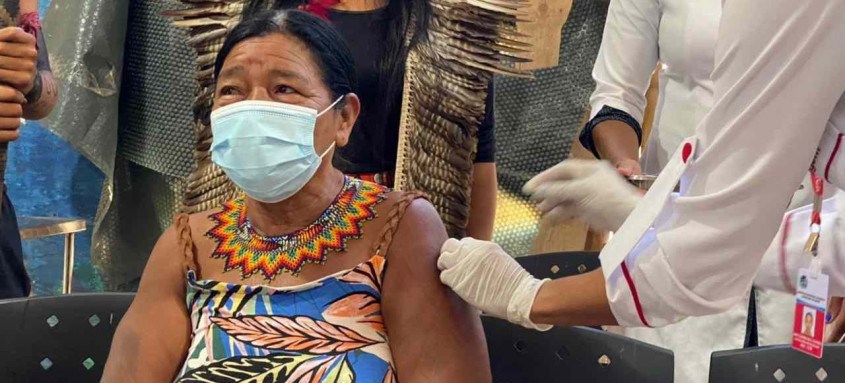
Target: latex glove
587, 189
489, 279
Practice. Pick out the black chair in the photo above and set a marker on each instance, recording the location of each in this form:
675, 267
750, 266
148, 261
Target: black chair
58, 339
778, 364
570, 354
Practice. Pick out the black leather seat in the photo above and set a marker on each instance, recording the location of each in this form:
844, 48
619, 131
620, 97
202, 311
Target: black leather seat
778, 364
58, 339
570, 354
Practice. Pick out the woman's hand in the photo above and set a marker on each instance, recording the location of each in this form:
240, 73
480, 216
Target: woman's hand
489, 279
587, 189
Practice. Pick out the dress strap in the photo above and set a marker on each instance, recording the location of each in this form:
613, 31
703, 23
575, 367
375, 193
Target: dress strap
385, 237
186, 243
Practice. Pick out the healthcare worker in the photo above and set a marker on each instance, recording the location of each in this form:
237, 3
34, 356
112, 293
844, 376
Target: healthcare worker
681, 36
779, 108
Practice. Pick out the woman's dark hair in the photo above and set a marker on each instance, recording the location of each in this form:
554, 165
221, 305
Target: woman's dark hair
326, 45
406, 18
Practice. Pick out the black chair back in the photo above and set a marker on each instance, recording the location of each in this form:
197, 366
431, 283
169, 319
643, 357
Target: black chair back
558, 265
778, 364
58, 339
572, 354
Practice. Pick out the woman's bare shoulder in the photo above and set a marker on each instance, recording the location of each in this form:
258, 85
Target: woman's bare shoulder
419, 234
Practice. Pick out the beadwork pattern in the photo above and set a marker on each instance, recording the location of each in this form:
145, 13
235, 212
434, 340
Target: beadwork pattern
244, 249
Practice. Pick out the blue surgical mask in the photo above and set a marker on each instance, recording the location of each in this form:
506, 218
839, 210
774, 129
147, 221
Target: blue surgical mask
266, 148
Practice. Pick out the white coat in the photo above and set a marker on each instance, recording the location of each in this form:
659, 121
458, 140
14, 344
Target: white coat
779, 93
681, 36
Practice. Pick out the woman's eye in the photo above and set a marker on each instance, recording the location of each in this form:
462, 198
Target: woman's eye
228, 91
284, 89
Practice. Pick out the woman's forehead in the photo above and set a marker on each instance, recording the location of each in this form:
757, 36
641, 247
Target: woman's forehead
276, 52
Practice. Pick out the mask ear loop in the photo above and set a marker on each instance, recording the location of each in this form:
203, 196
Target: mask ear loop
331, 106
327, 150
323, 112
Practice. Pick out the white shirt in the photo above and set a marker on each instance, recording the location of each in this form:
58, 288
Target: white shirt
777, 82
785, 255
681, 35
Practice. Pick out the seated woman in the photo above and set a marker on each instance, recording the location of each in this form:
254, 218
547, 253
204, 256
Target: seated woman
290, 281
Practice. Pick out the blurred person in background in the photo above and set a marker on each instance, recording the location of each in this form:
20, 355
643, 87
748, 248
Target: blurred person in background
27, 91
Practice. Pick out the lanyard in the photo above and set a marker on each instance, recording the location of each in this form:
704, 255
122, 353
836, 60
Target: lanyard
812, 245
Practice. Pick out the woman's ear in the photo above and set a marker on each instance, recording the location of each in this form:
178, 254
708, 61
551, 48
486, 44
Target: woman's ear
348, 115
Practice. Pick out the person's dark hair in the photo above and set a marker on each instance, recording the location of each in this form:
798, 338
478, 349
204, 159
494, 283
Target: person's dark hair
406, 18
326, 45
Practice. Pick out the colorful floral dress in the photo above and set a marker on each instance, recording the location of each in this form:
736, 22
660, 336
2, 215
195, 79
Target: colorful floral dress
330, 330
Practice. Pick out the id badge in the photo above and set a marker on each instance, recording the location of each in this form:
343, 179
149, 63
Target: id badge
810, 308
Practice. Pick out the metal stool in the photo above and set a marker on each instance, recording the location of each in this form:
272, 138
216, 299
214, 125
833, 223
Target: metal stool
41, 227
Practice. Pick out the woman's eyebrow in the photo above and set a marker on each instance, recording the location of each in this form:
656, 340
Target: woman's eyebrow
284, 73
232, 71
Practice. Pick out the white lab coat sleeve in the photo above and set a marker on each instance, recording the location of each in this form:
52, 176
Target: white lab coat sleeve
627, 57
785, 256
778, 76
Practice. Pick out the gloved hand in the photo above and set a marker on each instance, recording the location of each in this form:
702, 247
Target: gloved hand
489, 279
587, 189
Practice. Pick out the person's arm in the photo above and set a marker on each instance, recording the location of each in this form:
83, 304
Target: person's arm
44, 94
485, 186
705, 247
153, 337
618, 143
754, 148
434, 335
622, 71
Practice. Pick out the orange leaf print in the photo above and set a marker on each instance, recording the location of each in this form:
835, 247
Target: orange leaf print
363, 308
368, 273
301, 334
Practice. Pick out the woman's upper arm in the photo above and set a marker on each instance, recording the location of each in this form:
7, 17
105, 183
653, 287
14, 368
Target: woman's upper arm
627, 57
153, 336
434, 335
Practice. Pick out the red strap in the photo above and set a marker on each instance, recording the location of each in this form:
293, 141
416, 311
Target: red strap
818, 190
320, 7
30, 23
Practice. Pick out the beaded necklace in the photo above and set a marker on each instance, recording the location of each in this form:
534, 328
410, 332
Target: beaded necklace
243, 248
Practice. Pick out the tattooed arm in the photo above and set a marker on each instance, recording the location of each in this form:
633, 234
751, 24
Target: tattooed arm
44, 94
152, 339
43, 105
